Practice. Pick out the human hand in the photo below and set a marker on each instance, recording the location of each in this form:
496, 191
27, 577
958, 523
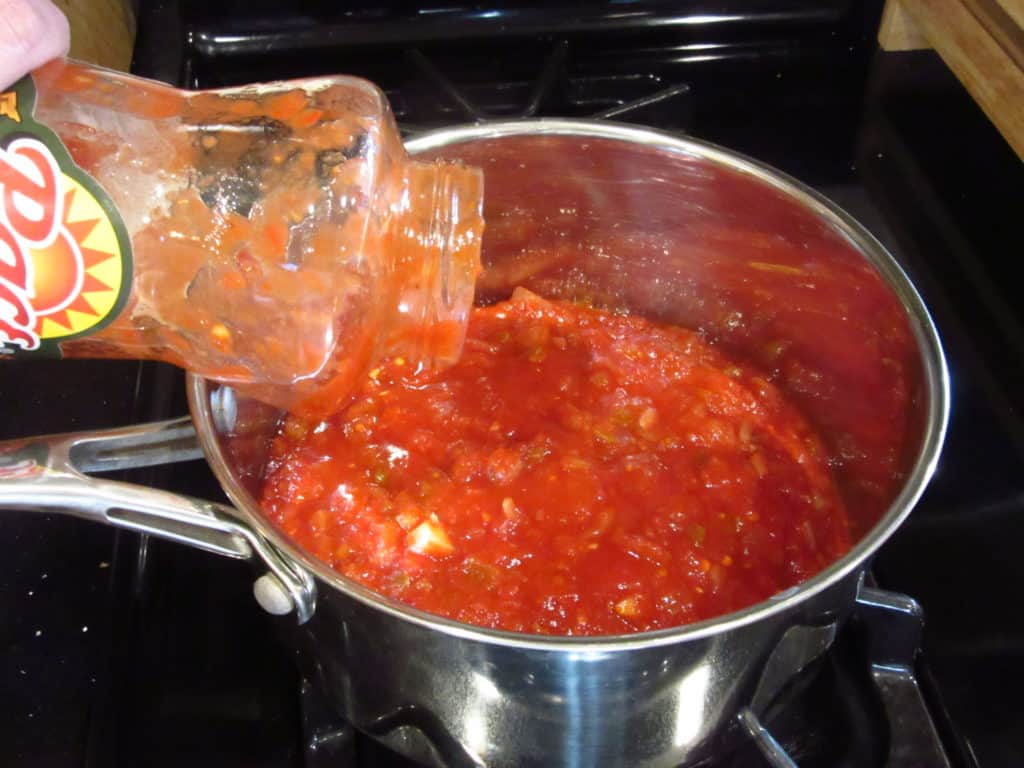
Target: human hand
31, 33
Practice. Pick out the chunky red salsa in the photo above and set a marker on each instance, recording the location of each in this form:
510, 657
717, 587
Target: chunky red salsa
577, 472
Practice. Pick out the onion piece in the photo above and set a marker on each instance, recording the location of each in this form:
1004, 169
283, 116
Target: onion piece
429, 538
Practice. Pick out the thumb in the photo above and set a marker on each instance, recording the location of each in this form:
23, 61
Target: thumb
31, 33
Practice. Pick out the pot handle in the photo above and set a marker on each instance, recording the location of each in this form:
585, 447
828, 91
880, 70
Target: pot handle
50, 473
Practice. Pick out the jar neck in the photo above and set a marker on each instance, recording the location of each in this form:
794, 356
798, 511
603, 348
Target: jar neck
433, 249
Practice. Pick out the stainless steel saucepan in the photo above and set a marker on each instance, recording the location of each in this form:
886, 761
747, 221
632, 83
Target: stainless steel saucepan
672, 228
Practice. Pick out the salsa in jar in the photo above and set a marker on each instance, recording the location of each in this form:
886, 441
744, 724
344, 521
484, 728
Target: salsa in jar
274, 236
577, 472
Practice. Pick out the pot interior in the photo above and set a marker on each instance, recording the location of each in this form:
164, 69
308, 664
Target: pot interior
692, 235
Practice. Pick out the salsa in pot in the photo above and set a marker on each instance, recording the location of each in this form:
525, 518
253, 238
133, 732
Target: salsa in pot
577, 472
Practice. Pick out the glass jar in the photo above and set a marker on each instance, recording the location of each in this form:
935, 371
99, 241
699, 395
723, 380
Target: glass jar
275, 237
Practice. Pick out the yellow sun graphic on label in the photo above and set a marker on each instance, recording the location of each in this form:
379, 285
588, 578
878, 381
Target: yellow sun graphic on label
77, 278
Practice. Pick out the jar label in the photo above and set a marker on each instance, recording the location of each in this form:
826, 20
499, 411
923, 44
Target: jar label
65, 255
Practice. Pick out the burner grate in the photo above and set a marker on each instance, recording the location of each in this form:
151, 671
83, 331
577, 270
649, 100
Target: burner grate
553, 90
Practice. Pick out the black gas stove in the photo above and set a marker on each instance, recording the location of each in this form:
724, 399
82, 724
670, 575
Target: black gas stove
118, 650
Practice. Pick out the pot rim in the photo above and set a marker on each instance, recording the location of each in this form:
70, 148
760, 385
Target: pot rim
929, 346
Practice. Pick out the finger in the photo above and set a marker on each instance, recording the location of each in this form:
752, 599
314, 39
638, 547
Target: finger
31, 33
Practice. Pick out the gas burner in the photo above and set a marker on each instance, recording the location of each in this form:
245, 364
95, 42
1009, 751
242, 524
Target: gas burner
866, 685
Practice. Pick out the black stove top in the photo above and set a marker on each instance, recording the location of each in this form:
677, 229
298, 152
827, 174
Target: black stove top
123, 651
